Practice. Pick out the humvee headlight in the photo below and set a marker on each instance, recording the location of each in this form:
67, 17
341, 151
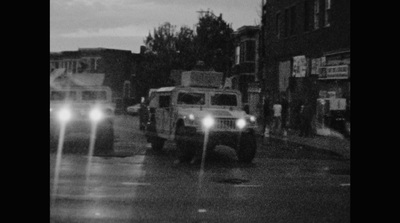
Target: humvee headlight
241, 123
208, 122
252, 118
96, 115
191, 117
64, 115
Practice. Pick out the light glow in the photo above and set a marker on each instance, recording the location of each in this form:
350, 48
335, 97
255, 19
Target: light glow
240, 123
96, 115
252, 118
208, 122
64, 115
191, 117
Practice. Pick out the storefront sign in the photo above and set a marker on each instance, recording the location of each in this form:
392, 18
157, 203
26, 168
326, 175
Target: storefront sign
334, 72
299, 66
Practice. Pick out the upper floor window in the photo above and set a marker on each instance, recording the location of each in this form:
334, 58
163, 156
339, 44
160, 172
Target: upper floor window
277, 24
307, 15
247, 51
290, 21
316, 14
237, 55
327, 16
250, 50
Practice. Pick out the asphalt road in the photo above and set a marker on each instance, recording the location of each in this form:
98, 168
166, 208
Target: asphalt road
283, 184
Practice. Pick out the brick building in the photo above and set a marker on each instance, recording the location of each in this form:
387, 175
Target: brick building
244, 74
305, 49
119, 68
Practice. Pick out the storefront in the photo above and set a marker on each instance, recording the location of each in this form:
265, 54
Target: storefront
333, 104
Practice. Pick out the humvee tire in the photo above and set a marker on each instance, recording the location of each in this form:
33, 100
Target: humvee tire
247, 148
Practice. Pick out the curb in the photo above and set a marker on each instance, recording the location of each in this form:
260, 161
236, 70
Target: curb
344, 155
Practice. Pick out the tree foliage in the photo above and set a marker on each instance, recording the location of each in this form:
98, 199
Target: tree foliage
168, 49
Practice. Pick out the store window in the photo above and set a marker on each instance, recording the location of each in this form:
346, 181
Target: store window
327, 16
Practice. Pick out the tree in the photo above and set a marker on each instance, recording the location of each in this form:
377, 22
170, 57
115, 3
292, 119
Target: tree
168, 49
214, 42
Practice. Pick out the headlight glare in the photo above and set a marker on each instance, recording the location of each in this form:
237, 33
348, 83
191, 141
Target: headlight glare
191, 117
64, 114
96, 115
252, 118
240, 123
208, 122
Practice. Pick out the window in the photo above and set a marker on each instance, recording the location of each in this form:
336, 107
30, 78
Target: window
307, 15
242, 51
316, 14
191, 99
250, 50
277, 24
224, 100
62, 95
292, 20
164, 101
94, 95
327, 13
286, 22
237, 55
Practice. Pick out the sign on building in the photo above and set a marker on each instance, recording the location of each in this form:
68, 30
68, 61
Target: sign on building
299, 66
334, 72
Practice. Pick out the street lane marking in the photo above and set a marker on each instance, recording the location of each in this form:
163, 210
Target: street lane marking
136, 184
345, 185
247, 185
202, 210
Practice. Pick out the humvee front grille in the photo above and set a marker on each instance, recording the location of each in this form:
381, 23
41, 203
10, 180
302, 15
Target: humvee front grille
225, 123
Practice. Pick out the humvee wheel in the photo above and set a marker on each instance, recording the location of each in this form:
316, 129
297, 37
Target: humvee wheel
157, 143
104, 143
184, 150
247, 148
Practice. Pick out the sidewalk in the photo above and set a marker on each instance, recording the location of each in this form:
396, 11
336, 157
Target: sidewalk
331, 142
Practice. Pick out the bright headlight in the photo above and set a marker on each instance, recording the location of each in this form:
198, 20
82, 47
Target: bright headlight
96, 115
252, 118
240, 123
208, 122
64, 114
191, 117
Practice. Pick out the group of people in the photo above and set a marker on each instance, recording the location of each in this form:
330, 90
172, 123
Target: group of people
276, 113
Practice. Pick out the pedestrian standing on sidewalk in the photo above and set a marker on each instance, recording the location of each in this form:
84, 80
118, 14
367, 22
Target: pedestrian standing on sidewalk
277, 119
285, 113
306, 119
267, 111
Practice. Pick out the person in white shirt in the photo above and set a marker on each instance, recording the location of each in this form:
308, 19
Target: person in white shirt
277, 119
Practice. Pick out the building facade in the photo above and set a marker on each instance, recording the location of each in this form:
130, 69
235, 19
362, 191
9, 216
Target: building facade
245, 75
306, 50
119, 68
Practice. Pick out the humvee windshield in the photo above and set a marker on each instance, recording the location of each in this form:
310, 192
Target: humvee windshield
191, 99
62, 95
224, 100
94, 95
